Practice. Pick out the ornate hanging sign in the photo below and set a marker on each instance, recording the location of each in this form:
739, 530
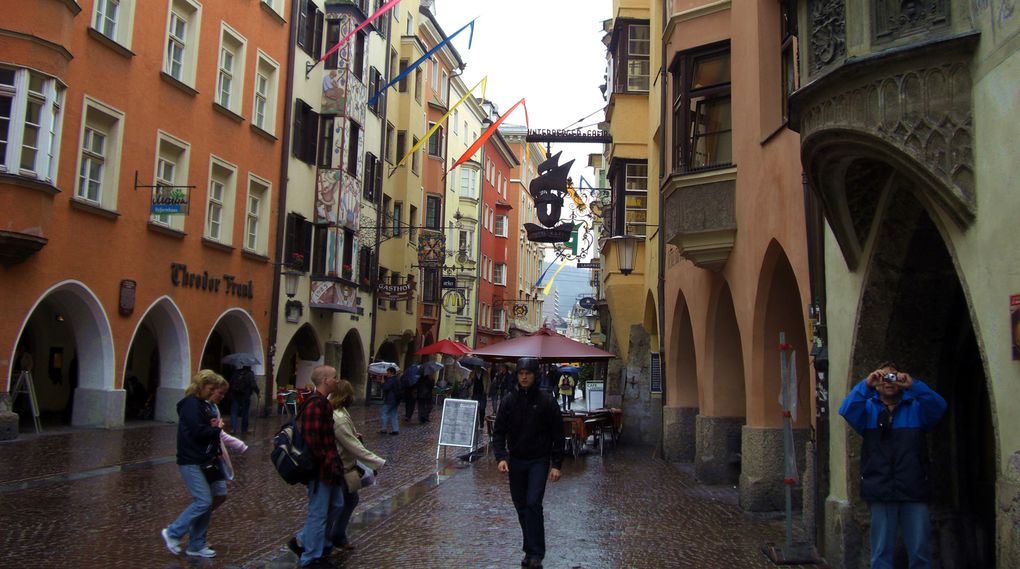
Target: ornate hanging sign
431, 249
548, 190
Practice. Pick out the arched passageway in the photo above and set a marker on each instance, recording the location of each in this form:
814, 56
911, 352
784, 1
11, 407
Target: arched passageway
352, 363
301, 356
156, 370
67, 344
681, 411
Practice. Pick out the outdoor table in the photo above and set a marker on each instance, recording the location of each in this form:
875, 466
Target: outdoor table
575, 429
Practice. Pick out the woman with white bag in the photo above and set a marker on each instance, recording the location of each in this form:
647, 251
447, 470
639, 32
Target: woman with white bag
359, 463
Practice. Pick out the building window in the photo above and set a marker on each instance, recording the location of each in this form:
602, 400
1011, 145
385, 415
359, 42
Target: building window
327, 124
456, 121
183, 25
436, 141
638, 42
499, 274
309, 29
332, 38
390, 142
443, 86
380, 302
401, 143
402, 84
398, 217
416, 156
417, 84
256, 231
220, 201
99, 157
433, 212
431, 282
114, 19
501, 226
788, 45
171, 169
375, 84
464, 242
412, 222
499, 319
395, 281
306, 125
230, 71
635, 199
31, 109
297, 242
387, 215
368, 187
266, 85
275, 5
353, 147
434, 63
702, 132
469, 183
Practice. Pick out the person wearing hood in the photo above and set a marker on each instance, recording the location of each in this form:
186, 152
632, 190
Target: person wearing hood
528, 444
198, 443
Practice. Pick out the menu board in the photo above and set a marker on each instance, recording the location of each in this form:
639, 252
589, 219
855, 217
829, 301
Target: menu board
457, 428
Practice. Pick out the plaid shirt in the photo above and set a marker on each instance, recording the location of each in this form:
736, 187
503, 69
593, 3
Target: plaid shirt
316, 422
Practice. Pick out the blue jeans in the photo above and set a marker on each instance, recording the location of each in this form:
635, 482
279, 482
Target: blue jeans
527, 490
241, 406
913, 519
387, 412
194, 520
324, 501
338, 526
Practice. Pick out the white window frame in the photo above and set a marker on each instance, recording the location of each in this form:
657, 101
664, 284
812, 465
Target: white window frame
638, 58
123, 20
499, 273
190, 12
499, 319
272, 5
171, 149
269, 68
102, 118
506, 225
230, 79
435, 74
224, 175
466, 237
49, 101
443, 87
261, 189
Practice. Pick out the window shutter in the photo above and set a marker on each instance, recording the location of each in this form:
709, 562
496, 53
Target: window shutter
317, 36
304, 234
289, 239
310, 135
298, 137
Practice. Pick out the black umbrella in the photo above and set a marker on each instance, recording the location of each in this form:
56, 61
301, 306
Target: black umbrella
472, 361
241, 359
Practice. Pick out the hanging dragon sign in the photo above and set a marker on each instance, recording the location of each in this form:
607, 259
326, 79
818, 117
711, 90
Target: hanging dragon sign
548, 191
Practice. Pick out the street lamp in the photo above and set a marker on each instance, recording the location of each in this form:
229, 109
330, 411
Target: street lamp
626, 245
290, 282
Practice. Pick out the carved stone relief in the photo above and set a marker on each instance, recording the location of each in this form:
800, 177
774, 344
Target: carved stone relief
925, 112
827, 34
897, 18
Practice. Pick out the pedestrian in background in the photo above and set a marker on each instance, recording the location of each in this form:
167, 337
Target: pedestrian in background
498, 386
391, 401
566, 390
227, 441
242, 386
479, 387
352, 451
528, 443
426, 387
198, 444
893, 412
408, 383
326, 490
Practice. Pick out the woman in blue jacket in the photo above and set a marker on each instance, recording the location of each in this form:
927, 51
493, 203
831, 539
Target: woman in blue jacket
893, 412
198, 443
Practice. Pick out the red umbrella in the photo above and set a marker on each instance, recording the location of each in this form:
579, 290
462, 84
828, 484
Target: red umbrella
448, 347
546, 345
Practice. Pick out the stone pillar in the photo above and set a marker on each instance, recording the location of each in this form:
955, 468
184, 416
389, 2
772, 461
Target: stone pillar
844, 537
166, 403
717, 453
762, 469
1007, 514
679, 433
99, 407
8, 419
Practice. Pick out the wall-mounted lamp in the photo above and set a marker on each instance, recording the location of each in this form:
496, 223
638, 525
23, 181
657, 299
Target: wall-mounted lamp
625, 248
290, 282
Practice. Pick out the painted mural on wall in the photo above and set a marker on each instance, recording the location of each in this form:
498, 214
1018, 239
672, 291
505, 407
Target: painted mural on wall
335, 296
338, 199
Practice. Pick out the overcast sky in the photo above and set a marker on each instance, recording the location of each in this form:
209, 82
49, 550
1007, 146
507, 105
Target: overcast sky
548, 52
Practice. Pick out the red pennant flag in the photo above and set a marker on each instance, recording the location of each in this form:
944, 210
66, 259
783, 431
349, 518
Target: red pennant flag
485, 135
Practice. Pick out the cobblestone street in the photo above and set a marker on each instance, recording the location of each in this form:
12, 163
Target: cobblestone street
98, 498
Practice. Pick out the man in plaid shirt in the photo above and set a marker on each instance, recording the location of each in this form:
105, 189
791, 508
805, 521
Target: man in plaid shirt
325, 493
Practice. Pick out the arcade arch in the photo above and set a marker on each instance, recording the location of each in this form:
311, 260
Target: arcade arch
159, 358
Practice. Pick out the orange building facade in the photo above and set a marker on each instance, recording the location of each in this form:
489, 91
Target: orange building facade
101, 101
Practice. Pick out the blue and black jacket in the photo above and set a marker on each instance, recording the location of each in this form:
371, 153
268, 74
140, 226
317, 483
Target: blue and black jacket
894, 455
197, 440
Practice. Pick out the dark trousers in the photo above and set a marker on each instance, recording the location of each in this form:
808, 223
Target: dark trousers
527, 489
240, 408
337, 527
409, 399
424, 409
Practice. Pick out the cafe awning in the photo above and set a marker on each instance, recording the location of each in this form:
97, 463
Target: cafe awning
546, 345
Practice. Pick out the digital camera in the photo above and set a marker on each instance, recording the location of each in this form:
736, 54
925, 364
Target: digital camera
889, 378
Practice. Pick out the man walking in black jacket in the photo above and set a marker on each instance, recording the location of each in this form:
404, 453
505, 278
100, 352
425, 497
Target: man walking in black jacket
528, 443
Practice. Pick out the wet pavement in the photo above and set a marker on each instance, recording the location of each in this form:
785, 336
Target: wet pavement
98, 498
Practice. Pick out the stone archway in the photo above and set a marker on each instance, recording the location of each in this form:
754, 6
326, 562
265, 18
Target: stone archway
352, 363
778, 314
68, 337
681, 410
300, 357
159, 357
913, 310
723, 401
234, 332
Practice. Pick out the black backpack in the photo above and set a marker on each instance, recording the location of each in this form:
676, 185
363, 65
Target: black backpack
291, 456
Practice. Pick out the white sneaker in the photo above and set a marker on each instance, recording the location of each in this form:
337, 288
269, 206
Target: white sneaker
173, 544
204, 552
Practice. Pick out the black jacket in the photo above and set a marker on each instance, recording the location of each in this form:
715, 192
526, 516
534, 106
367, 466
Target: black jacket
197, 440
528, 425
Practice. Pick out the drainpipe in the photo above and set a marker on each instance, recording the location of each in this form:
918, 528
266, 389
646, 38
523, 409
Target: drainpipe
374, 313
662, 249
281, 212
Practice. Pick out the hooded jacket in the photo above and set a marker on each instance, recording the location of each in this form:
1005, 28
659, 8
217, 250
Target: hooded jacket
197, 440
894, 459
528, 426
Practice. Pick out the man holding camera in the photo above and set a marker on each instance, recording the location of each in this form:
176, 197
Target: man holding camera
893, 411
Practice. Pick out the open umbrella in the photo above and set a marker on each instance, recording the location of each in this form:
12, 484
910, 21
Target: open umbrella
241, 359
570, 369
448, 347
379, 368
472, 361
432, 368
